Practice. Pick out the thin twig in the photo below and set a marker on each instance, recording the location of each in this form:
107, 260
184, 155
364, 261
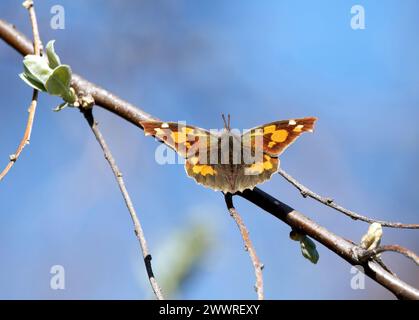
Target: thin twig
293, 218
395, 248
306, 192
137, 225
385, 267
32, 107
37, 44
26, 136
257, 265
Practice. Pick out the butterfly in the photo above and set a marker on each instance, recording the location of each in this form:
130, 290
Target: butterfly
226, 160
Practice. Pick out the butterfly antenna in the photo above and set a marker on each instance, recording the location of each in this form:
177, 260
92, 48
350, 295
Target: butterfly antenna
225, 122
229, 128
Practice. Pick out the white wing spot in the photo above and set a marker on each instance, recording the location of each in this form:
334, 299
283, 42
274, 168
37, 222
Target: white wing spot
165, 125
292, 123
298, 128
158, 131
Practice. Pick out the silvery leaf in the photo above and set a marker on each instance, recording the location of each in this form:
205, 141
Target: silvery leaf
60, 107
308, 249
58, 83
53, 58
37, 68
31, 82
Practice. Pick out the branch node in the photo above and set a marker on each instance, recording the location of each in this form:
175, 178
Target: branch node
357, 253
27, 4
330, 200
86, 102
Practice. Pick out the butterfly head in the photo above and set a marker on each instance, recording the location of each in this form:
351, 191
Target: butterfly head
226, 122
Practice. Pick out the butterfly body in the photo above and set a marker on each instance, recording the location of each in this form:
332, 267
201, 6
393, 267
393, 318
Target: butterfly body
227, 160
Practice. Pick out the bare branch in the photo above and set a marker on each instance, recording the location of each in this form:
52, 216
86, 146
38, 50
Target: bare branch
137, 225
296, 220
395, 248
339, 245
306, 192
32, 107
257, 265
26, 136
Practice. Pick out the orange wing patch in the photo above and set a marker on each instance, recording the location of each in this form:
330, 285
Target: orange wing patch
203, 169
277, 136
268, 164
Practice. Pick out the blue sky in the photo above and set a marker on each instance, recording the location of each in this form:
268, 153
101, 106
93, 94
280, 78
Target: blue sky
193, 60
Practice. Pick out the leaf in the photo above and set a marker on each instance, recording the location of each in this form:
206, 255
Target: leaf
32, 83
308, 249
53, 58
37, 68
58, 84
372, 238
70, 96
60, 107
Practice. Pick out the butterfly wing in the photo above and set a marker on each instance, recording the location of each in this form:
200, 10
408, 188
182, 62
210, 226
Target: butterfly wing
213, 176
253, 174
270, 140
188, 141
184, 139
278, 135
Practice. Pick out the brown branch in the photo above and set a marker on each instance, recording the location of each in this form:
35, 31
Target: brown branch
339, 245
32, 107
306, 192
296, 220
395, 248
26, 136
257, 265
137, 225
